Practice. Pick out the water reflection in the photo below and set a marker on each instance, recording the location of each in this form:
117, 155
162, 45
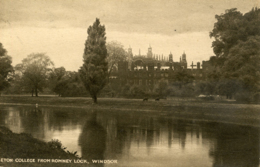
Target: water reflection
235, 146
138, 139
93, 140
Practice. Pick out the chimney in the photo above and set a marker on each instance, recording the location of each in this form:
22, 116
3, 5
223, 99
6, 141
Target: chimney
198, 65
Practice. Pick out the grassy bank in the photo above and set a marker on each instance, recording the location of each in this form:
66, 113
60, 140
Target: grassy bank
16, 148
219, 111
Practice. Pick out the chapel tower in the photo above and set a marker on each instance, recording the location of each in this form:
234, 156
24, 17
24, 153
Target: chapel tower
170, 57
150, 53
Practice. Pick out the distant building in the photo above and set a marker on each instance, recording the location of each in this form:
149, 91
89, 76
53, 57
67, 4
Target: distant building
148, 69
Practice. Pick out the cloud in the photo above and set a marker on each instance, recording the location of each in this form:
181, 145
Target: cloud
59, 27
141, 16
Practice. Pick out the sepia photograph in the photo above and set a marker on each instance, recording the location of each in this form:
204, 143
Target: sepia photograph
130, 83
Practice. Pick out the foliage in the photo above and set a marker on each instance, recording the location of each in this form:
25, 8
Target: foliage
30, 147
188, 90
125, 90
116, 53
236, 46
161, 88
256, 97
55, 144
57, 80
34, 72
225, 32
94, 71
15, 85
108, 91
70, 85
210, 86
137, 92
243, 63
182, 78
5, 68
243, 96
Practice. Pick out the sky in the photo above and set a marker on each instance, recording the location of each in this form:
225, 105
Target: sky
59, 27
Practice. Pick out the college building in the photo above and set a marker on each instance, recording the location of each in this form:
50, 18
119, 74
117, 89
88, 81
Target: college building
147, 70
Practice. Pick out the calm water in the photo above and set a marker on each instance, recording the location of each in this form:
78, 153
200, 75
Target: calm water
138, 140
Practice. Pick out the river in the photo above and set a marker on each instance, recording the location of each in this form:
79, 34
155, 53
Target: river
138, 140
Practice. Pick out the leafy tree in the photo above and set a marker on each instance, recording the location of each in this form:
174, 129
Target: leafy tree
243, 63
228, 87
5, 68
65, 83
15, 85
205, 87
236, 46
57, 80
137, 91
107, 91
116, 53
58, 73
233, 27
225, 32
126, 90
182, 78
34, 72
188, 90
161, 88
94, 71
71, 85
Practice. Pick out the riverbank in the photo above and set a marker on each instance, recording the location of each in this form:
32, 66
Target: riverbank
24, 150
216, 111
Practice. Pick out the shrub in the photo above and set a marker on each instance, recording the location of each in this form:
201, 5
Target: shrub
55, 144
243, 96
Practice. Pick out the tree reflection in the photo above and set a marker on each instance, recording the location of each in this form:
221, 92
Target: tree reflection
169, 133
121, 140
181, 130
130, 137
93, 140
32, 121
235, 146
150, 132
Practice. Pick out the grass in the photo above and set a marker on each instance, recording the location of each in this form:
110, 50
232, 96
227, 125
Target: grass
24, 146
219, 111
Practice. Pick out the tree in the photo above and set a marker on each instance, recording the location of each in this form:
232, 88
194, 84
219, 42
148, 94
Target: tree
15, 85
243, 66
137, 91
70, 85
236, 46
116, 53
161, 88
94, 71
225, 32
34, 70
57, 80
5, 68
182, 78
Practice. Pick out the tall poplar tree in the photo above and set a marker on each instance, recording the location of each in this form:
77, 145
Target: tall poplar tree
94, 71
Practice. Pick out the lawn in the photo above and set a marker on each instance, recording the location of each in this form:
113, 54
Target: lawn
219, 111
